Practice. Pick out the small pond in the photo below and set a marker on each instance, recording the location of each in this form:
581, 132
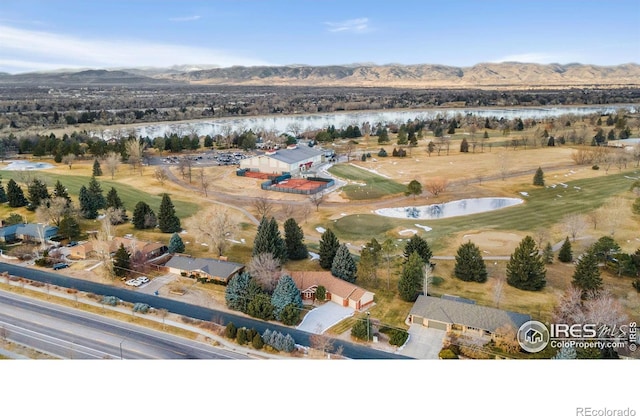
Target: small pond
450, 209
26, 165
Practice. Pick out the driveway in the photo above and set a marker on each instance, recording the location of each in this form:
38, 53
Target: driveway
424, 343
324, 317
156, 283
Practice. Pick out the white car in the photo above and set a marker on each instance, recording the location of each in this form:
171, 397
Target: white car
133, 282
143, 279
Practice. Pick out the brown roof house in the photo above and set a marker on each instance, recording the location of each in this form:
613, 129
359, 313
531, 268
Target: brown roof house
204, 268
82, 250
339, 291
146, 250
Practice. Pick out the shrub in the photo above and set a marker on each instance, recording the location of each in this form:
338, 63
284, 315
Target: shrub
595, 167
110, 300
230, 331
398, 337
447, 354
141, 307
241, 336
382, 153
636, 285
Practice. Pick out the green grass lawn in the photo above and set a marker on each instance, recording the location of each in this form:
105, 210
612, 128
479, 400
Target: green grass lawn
129, 195
375, 187
544, 207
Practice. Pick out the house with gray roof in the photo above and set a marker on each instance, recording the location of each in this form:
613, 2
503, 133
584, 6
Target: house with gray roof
204, 268
28, 232
449, 314
294, 159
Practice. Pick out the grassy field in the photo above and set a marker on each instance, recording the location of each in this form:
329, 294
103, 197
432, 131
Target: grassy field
544, 207
371, 186
130, 195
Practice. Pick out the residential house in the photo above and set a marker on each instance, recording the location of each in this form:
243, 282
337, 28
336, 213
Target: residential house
337, 290
28, 232
146, 250
204, 268
81, 251
451, 313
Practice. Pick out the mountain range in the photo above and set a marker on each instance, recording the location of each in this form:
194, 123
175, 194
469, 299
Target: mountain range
484, 75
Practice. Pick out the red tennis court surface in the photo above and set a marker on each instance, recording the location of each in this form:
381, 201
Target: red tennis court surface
299, 184
257, 175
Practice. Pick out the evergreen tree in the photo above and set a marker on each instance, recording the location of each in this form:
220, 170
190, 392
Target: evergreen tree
97, 170
329, 245
293, 237
525, 269
361, 329
240, 290
419, 244
587, 274
538, 178
269, 240
143, 216
565, 254
470, 266
69, 228
113, 199
121, 261
176, 245
37, 191
413, 188
256, 342
59, 191
547, 254
464, 145
260, 307
95, 191
410, 283
3, 194
167, 219
285, 293
87, 204
290, 315
344, 266
605, 247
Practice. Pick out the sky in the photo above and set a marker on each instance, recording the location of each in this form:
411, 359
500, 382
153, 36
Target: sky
42, 35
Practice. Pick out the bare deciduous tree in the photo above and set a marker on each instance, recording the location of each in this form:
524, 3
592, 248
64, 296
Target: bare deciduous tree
574, 224
135, 150
320, 342
214, 227
160, 174
263, 207
437, 185
112, 161
505, 339
497, 291
53, 210
317, 199
266, 270
204, 182
68, 159
616, 210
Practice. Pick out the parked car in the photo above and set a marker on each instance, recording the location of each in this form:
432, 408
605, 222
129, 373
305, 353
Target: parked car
59, 266
143, 279
133, 282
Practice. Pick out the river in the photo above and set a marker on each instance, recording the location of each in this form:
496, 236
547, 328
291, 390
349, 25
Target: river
283, 123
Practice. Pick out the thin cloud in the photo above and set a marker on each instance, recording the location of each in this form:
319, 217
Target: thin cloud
360, 25
536, 58
184, 19
27, 50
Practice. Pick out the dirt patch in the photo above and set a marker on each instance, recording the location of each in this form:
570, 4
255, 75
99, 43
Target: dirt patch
494, 242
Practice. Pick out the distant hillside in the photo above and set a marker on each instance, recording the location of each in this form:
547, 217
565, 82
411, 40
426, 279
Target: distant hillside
509, 74
86, 77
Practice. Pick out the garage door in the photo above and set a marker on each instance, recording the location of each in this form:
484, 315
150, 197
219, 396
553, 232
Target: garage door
437, 325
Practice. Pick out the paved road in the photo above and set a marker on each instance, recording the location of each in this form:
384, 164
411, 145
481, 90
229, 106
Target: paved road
70, 333
350, 350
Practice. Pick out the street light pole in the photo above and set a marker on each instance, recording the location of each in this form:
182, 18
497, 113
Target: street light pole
368, 314
121, 348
